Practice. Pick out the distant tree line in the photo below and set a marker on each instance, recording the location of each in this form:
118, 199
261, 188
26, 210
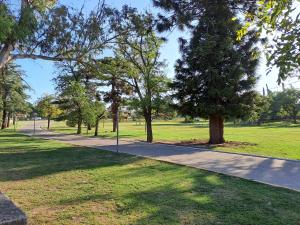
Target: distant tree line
276, 106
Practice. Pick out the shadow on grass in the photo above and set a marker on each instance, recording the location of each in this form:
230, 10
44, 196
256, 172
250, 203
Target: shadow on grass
68, 131
280, 125
114, 136
163, 193
264, 125
33, 159
157, 193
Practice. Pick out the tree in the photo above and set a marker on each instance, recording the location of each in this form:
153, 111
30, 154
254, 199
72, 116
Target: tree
281, 21
99, 112
140, 50
279, 18
42, 30
15, 29
261, 110
216, 75
75, 104
12, 91
163, 107
47, 108
78, 95
114, 75
287, 103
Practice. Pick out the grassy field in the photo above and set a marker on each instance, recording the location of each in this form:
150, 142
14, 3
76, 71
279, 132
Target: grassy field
55, 183
276, 139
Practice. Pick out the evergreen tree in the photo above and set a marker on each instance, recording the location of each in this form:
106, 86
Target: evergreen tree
12, 92
216, 75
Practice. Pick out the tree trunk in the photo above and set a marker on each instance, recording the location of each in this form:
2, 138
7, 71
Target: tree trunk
79, 124
216, 129
8, 120
89, 127
5, 55
96, 127
48, 126
14, 120
115, 121
148, 119
4, 115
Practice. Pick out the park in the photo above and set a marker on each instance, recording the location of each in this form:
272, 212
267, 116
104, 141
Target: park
149, 112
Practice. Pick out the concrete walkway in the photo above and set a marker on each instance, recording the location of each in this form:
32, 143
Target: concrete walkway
277, 172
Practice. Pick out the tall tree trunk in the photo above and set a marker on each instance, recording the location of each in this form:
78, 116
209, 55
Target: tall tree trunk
89, 127
79, 125
97, 126
4, 115
148, 119
115, 116
48, 126
8, 120
216, 129
14, 120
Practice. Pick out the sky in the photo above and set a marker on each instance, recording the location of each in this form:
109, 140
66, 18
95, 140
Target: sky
40, 74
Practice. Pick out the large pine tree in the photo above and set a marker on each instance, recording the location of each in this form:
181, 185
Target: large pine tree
216, 75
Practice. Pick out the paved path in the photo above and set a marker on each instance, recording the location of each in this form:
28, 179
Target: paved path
277, 172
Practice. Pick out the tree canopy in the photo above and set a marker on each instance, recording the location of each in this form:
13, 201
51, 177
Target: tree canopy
216, 75
47, 109
57, 33
140, 49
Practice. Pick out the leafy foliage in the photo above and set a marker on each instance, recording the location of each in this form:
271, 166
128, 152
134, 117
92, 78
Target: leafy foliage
281, 21
47, 109
139, 48
286, 104
78, 95
55, 33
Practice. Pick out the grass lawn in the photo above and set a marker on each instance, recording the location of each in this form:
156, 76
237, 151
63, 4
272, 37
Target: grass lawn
275, 139
55, 183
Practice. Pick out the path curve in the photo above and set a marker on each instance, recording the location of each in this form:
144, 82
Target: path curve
276, 172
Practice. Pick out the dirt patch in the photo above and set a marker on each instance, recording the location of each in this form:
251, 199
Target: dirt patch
205, 144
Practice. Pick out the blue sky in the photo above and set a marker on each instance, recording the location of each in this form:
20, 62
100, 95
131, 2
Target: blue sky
39, 73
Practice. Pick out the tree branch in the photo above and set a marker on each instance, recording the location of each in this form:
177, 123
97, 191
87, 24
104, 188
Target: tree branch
34, 56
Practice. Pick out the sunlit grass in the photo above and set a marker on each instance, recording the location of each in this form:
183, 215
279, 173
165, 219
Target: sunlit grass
275, 139
56, 183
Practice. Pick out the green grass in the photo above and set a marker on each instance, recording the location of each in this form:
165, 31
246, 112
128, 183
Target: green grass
55, 183
275, 139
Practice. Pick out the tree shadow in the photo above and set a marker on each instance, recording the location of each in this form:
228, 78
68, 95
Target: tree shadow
264, 125
267, 126
21, 163
180, 195
161, 193
107, 136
